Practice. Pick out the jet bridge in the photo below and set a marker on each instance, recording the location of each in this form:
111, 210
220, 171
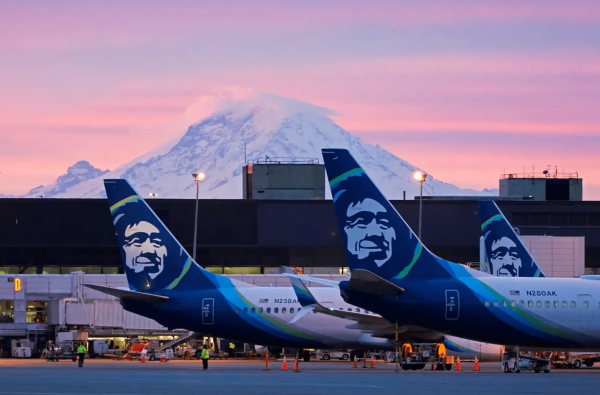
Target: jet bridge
47, 304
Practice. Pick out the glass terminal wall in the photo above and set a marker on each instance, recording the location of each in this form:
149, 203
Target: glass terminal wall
7, 311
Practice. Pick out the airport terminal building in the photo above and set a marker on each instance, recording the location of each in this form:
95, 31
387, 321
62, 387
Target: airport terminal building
54, 236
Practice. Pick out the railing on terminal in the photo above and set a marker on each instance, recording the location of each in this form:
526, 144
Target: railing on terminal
550, 172
267, 160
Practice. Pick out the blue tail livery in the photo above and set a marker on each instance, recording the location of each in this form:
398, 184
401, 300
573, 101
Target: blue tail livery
505, 252
375, 236
154, 260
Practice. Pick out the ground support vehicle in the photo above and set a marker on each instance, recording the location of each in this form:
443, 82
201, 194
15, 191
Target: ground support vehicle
66, 349
326, 355
22, 349
416, 356
512, 362
574, 360
152, 355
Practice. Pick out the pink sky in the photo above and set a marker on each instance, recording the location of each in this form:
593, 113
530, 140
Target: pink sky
464, 91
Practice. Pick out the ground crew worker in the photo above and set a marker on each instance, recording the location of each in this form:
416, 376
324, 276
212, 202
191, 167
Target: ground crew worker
204, 356
231, 349
81, 350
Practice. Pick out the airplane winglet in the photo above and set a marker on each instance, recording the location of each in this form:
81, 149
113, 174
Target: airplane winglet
368, 282
131, 295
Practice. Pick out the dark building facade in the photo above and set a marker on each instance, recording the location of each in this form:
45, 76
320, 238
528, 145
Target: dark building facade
45, 235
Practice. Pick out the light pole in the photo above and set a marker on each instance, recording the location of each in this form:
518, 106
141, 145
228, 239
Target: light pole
420, 176
198, 177
153, 195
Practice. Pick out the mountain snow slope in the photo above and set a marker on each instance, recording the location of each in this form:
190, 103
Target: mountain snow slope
79, 172
267, 125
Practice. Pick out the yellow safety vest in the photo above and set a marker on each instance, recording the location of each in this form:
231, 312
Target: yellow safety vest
204, 353
81, 349
231, 345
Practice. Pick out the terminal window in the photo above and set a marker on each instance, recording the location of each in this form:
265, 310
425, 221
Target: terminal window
84, 269
37, 312
594, 219
7, 311
241, 270
577, 219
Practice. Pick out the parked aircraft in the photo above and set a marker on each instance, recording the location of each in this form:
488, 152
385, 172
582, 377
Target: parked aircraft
168, 286
399, 278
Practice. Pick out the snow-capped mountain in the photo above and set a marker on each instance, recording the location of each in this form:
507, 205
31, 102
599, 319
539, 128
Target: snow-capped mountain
79, 172
256, 126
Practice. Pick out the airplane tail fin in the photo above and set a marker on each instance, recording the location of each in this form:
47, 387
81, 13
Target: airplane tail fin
153, 259
506, 255
376, 237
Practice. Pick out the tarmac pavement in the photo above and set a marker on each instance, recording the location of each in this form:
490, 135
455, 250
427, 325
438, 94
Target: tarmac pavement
109, 377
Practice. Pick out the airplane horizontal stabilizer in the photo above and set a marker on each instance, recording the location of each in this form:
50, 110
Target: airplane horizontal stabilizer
301, 313
367, 282
358, 317
131, 295
310, 303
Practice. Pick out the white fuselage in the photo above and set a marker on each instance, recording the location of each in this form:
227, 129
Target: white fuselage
282, 304
571, 305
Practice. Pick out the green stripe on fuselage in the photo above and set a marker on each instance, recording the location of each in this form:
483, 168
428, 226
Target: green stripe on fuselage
280, 325
536, 322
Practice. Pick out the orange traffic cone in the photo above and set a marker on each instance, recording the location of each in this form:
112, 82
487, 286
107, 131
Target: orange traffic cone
476, 366
297, 365
143, 359
284, 367
372, 363
355, 363
458, 364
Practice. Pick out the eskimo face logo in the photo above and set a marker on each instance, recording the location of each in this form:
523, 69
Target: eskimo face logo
369, 232
144, 249
504, 258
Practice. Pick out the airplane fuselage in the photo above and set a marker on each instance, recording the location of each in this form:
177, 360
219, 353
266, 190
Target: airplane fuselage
264, 315
549, 313
260, 315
